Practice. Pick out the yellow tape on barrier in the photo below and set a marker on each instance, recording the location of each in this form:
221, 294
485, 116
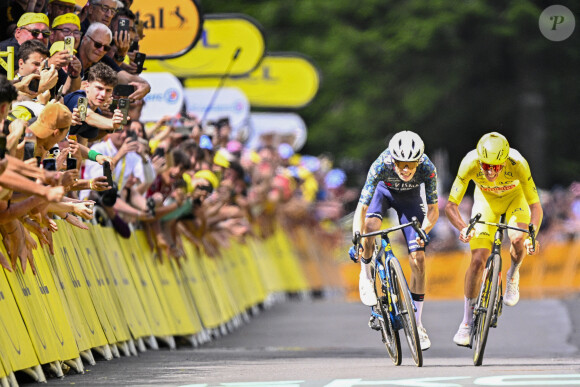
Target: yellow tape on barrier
16, 349
118, 274
86, 321
197, 284
160, 324
164, 282
114, 326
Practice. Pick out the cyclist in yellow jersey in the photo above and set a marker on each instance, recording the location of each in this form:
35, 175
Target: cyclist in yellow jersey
503, 184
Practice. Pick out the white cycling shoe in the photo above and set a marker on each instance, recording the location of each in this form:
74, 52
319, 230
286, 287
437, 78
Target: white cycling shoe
423, 339
512, 290
461, 338
366, 290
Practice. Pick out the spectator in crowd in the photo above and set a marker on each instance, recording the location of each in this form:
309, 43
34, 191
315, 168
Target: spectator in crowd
97, 89
31, 57
94, 46
60, 7
99, 11
122, 39
30, 26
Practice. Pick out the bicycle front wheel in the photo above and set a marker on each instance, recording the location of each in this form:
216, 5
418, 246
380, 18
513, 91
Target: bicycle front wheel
406, 310
484, 309
390, 335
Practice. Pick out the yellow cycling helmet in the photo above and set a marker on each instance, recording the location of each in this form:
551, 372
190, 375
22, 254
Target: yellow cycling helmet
493, 148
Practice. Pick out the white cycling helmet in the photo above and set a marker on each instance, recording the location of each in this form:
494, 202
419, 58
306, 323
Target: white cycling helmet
406, 146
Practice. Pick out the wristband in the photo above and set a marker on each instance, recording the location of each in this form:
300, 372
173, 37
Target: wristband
93, 155
91, 185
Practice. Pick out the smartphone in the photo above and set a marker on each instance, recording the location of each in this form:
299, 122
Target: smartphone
72, 137
82, 104
124, 107
159, 152
69, 44
134, 46
46, 66
49, 164
114, 104
59, 93
140, 61
29, 148
2, 146
123, 90
107, 173
122, 25
33, 85
71, 163
132, 135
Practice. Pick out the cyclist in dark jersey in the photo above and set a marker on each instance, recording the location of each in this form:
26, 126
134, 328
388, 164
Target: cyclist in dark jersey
394, 181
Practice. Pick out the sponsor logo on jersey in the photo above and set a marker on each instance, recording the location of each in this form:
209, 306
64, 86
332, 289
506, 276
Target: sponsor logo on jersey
498, 189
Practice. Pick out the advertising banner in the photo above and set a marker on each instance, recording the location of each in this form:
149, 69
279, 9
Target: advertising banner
283, 125
283, 80
213, 55
165, 97
172, 27
228, 102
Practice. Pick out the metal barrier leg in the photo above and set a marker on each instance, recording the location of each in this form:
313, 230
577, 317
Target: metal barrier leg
132, 347
12, 380
76, 364
104, 351
169, 341
115, 350
88, 356
36, 373
141, 345
56, 368
124, 348
152, 342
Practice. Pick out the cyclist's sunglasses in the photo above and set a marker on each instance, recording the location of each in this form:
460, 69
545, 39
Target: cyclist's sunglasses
99, 45
409, 164
35, 32
487, 167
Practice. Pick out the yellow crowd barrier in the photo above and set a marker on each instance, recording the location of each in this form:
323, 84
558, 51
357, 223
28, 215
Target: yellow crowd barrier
551, 273
98, 292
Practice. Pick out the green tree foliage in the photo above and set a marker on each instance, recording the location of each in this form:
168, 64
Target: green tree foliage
449, 70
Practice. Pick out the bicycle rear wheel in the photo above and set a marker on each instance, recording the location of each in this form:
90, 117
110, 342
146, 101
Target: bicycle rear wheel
406, 310
389, 334
484, 309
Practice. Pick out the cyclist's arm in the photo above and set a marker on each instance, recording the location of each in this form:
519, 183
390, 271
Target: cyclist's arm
359, 218
431, 218
536, 215
454, 216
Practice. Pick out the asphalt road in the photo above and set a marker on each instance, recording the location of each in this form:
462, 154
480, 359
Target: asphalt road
327, 343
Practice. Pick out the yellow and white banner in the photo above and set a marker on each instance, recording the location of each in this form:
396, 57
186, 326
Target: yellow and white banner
213, 54
283, 80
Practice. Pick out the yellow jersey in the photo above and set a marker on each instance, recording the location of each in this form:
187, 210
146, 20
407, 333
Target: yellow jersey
514, 177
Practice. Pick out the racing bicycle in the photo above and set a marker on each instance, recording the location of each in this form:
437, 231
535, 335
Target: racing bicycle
395, 309
488, 306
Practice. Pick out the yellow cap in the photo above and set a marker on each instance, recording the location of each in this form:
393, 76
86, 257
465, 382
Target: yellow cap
221, 159
67, 18
58, 46
73, 2
32, 18
209, 176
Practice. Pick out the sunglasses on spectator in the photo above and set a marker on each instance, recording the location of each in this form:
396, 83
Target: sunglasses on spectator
409, 164
68, 31
45, 33
206, 188
99, 45
496, 168
106, 9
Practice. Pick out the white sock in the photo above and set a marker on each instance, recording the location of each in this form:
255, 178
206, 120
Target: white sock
418, 313
365, 270
469, 304
512, 270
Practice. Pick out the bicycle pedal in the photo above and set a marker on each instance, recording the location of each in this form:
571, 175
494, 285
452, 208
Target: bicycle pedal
374, 324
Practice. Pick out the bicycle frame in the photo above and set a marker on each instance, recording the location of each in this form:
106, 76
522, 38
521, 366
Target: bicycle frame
382, 260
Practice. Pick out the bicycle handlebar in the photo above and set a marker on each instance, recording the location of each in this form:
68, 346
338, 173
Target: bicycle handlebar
530, 231
413, 223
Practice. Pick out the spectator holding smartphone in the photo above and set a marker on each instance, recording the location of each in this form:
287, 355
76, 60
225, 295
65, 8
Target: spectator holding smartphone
31, 59
97, 89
